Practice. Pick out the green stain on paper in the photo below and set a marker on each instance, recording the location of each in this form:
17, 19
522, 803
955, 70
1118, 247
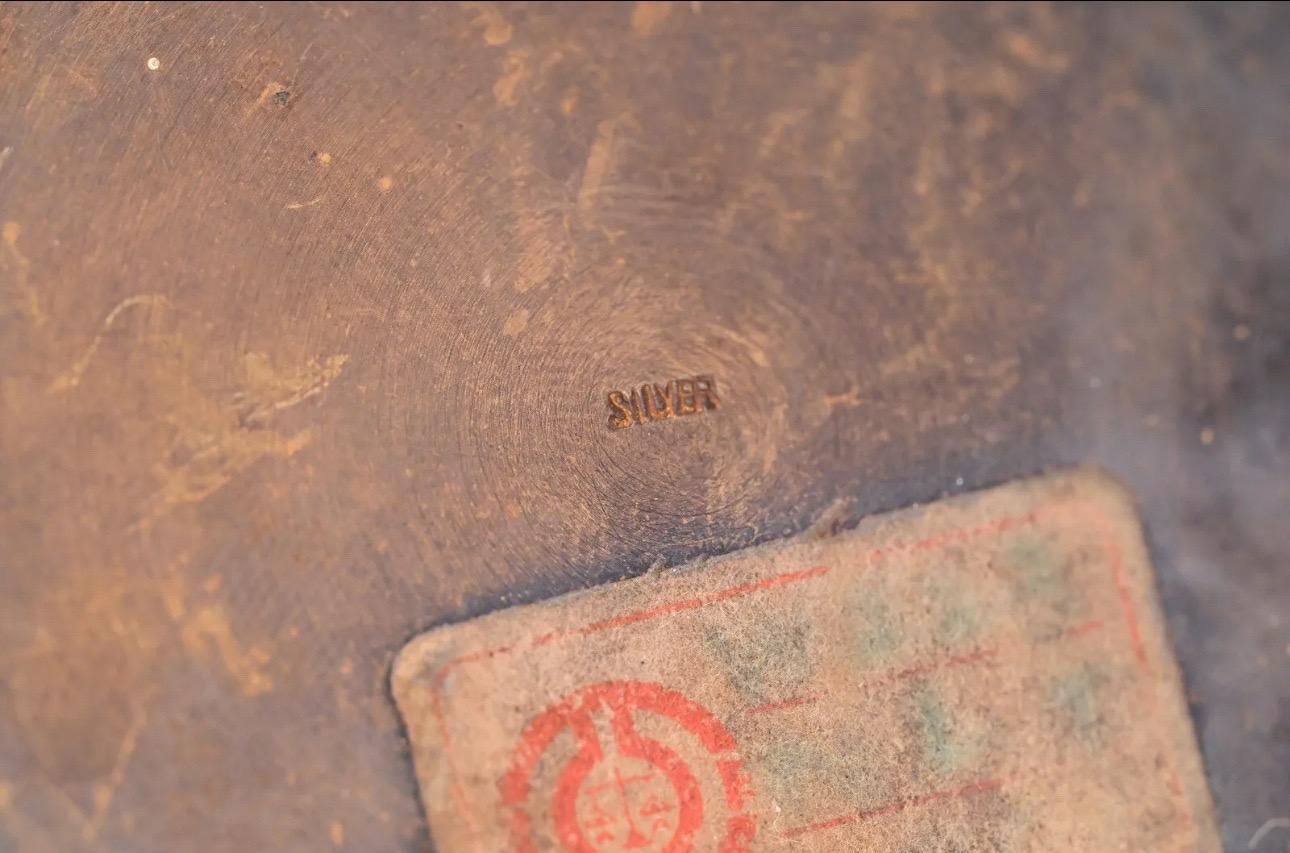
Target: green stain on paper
877, 633
1038, 569
1042, 579
946, 746
1074, 698
766, 660
962, 615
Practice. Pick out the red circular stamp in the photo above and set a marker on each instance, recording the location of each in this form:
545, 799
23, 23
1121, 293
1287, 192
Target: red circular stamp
627, 766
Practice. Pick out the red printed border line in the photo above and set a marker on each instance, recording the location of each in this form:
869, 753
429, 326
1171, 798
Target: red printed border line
896, 806
996, 526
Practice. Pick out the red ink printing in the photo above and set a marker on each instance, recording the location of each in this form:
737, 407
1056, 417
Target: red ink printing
623, 790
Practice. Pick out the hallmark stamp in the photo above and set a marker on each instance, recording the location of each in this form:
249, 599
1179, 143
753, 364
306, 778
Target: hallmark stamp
655, 402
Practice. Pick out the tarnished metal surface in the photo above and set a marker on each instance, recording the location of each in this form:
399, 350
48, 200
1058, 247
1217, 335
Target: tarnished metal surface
308, 315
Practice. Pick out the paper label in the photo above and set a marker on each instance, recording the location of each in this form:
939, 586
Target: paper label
985, 673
